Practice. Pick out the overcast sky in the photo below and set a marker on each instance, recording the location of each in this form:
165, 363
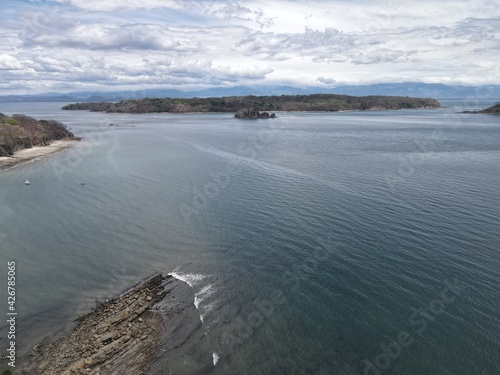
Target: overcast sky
73, 45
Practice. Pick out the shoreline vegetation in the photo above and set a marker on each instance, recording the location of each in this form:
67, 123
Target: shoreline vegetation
23, 138
309, 103
124, 335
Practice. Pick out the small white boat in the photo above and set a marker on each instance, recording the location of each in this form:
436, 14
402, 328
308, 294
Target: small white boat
26, 182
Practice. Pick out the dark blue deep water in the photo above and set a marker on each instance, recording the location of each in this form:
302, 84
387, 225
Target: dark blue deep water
316, 243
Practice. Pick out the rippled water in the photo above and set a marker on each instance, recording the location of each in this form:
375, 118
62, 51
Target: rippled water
317, 243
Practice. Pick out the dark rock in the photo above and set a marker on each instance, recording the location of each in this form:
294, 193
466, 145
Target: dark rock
253, 113
129, 336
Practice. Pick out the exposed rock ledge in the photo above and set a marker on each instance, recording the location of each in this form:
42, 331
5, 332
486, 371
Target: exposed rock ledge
124, 335
253, 113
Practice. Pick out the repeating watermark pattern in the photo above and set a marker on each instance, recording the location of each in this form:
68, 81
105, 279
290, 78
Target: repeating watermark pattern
425, 148
418, 323
210, 190
261, 310
46, 19
248, 151
409, 162
40, 21
387, 11
75, 155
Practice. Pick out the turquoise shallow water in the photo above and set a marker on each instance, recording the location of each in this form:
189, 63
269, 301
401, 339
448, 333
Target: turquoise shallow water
323, 243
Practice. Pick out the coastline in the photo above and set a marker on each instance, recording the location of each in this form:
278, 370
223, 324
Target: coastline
143, 330
28, 154
272, 103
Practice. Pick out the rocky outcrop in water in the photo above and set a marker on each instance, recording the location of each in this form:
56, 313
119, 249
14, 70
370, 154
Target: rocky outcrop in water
124, 335
253, 113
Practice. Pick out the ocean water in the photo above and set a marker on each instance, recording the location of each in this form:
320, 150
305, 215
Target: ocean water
316, 243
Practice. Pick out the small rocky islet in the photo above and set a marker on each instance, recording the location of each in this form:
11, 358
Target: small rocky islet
253, 113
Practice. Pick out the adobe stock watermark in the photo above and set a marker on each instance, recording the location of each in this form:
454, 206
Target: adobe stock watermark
40, 21
75, 155
418, 322
452, 118
410, 161
261, 310
248, 149
387, 11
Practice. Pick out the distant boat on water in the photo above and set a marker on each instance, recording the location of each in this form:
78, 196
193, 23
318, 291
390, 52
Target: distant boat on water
26, 182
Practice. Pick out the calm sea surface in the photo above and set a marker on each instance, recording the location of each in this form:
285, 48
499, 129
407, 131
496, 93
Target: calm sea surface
316, 243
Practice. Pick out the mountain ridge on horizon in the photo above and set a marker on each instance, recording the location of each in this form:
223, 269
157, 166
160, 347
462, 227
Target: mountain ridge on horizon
412, 89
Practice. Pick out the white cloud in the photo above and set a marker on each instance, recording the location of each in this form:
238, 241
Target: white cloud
134, 37
82, 43
326, 80
114, 5
8, 62
366, 15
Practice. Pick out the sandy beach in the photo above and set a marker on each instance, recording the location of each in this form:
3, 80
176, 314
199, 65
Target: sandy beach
33, 153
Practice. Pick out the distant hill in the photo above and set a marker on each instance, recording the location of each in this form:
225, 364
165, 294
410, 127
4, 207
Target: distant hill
316, 102
412, 89
19, 132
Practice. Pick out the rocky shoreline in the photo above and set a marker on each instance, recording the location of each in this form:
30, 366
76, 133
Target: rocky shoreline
124, 335
493, 110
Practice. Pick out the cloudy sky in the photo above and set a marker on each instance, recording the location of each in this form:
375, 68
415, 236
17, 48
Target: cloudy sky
74, 45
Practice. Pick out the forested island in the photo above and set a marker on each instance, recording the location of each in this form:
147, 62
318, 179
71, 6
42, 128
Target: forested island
493, 110
19, 132
315, 102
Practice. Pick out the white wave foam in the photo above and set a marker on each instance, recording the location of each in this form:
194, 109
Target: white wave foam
192, 279
205, 292
209, 307
215, 356
196, 302
205, 310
